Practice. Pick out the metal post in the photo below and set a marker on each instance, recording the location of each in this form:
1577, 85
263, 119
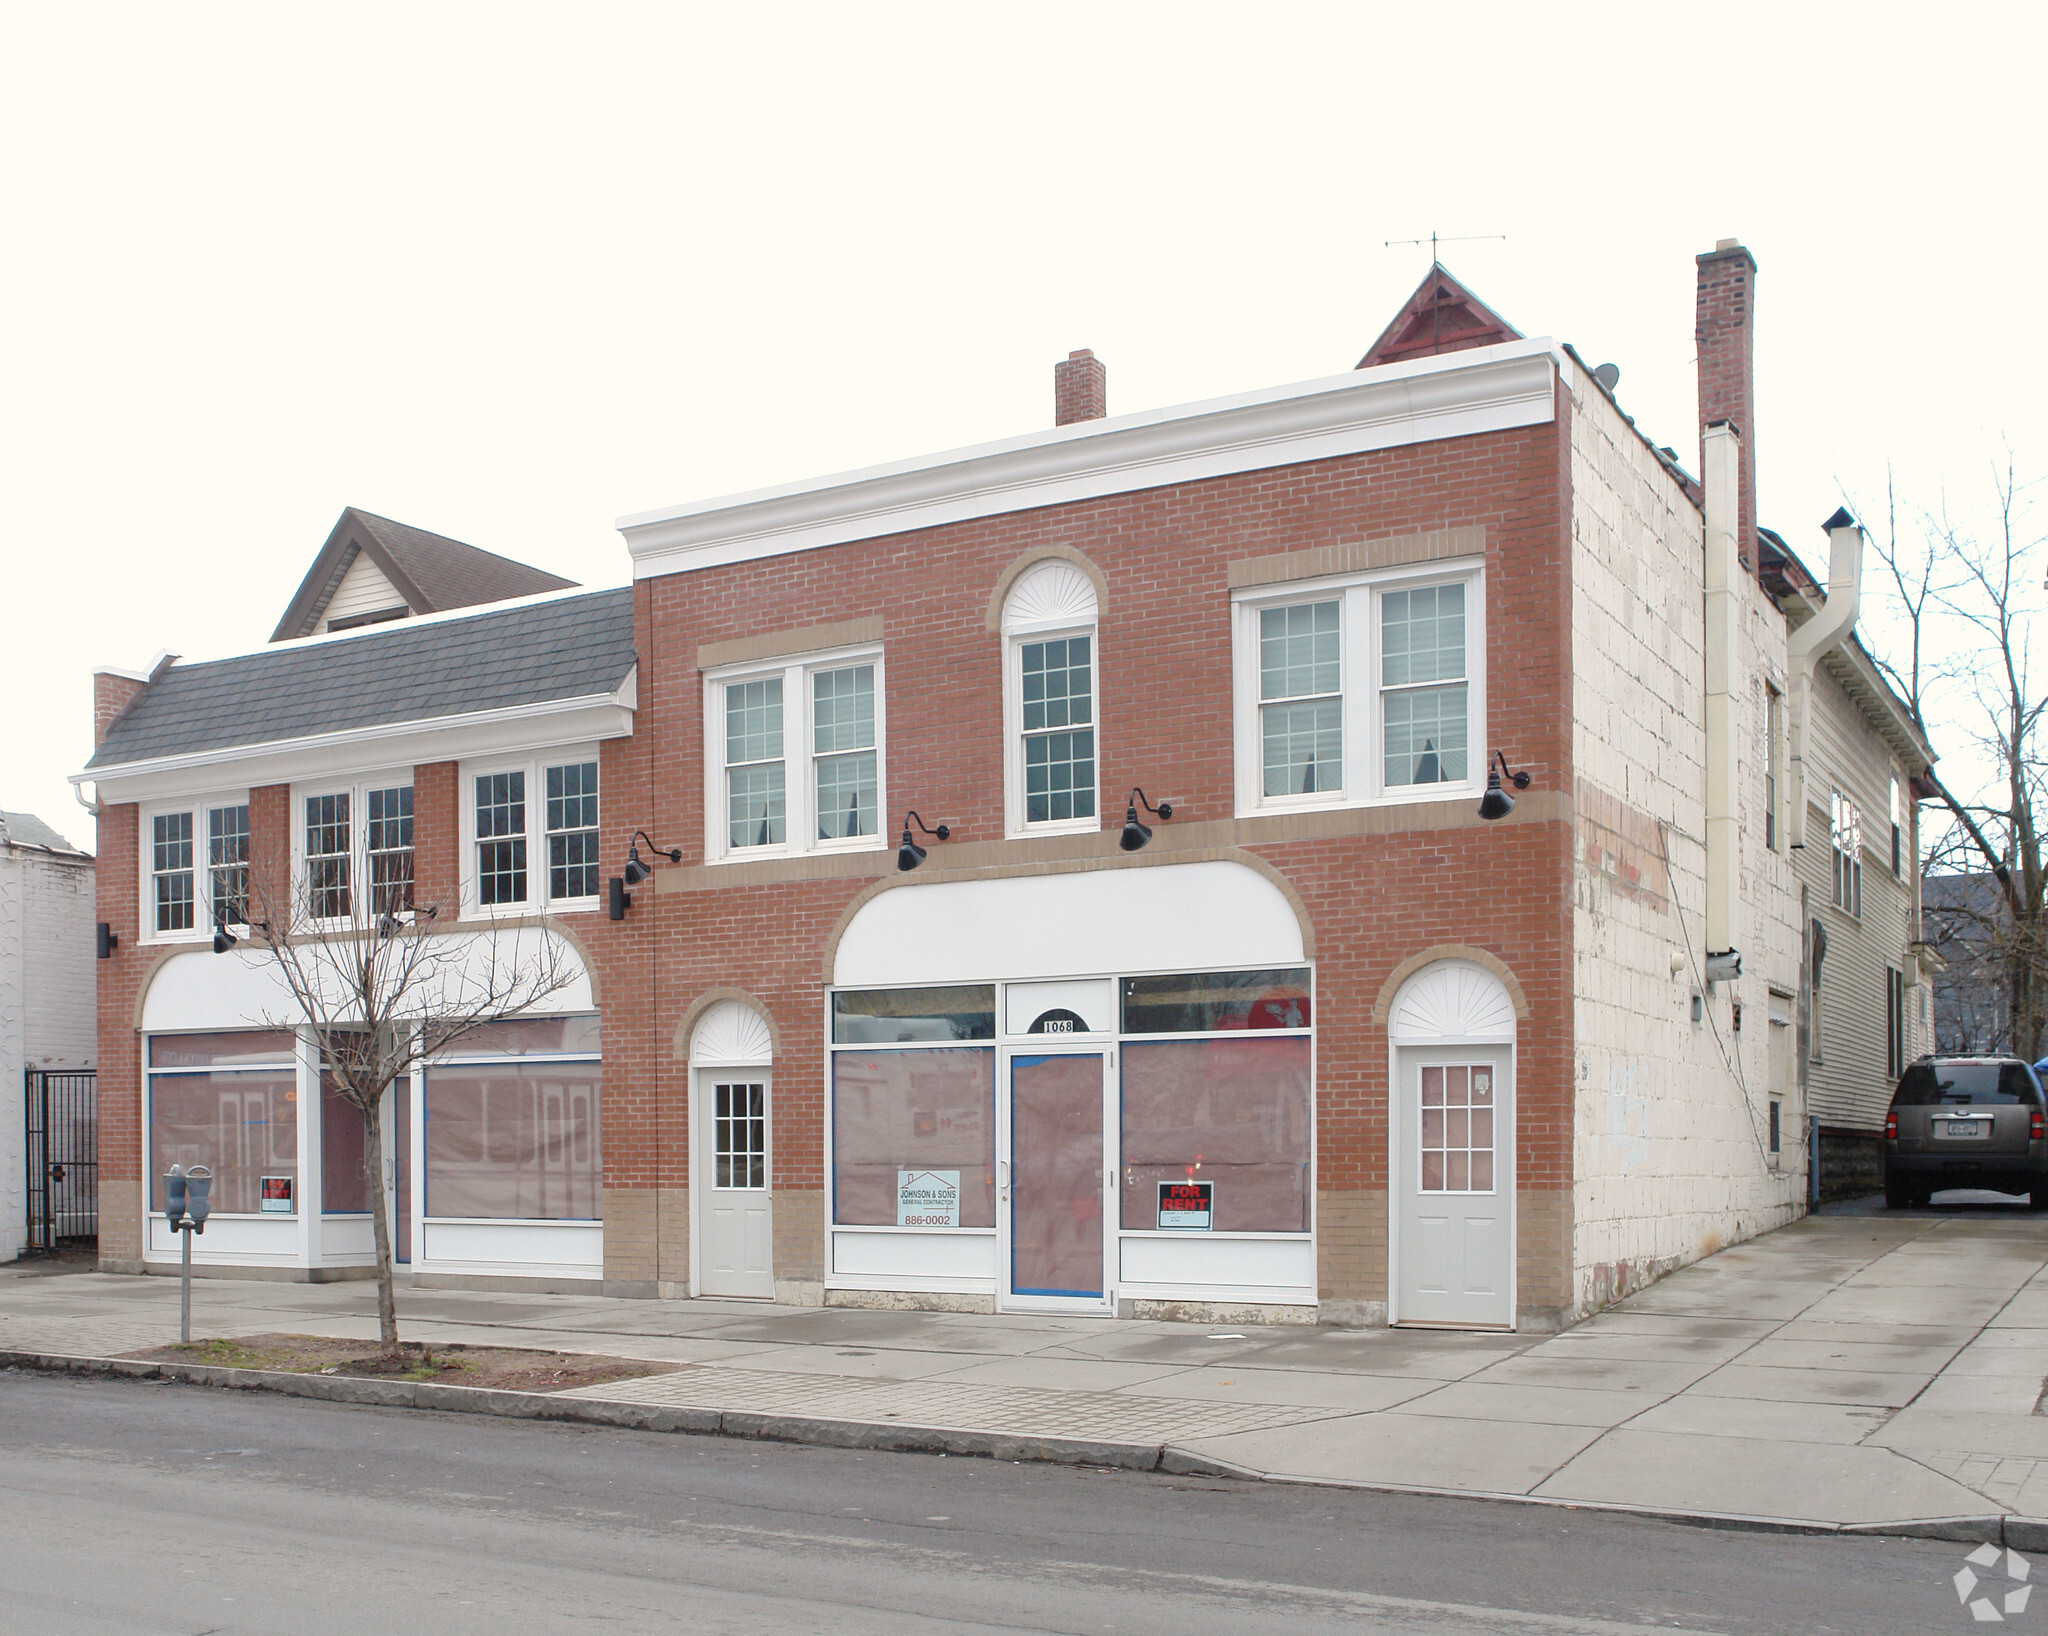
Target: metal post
185, 1284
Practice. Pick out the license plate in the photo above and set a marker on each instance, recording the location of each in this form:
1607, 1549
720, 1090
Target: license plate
1968, 1127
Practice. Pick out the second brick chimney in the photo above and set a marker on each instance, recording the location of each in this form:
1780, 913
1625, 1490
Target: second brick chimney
1080, 388
1724, 339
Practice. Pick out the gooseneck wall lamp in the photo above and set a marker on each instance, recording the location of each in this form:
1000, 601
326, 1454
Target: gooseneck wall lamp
1496, 802
909, 854
1136, 834
619, 900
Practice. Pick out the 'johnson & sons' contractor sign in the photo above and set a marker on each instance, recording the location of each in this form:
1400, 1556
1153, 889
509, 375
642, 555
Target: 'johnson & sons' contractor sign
927, 1198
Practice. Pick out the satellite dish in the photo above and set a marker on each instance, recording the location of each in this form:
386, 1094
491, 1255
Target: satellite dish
1608, 375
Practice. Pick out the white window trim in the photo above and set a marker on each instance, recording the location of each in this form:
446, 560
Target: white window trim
202, 886
1845, 877
799, 755
1359, 625
1015, 635
535, 765
357, 788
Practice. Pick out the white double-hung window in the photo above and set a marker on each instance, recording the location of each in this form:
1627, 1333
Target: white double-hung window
195, 867
530, 836
352, 849
793, 756
1051, 701
1370, 688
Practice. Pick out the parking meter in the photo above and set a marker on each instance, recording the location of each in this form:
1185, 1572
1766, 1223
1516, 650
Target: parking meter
174, 1197
198, 1189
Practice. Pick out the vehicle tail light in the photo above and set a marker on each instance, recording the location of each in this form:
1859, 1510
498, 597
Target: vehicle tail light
1891, 1127
2034, 1125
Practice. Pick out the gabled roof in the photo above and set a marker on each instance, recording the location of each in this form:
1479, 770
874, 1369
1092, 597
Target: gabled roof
26, 829
432, 572
1441, 316
570, 648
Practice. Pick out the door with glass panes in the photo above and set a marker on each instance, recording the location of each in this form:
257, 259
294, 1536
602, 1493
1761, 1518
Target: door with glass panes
1056, 1181
1456, 1169
735, 1250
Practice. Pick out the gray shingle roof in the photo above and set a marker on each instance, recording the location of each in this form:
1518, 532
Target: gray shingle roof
575, 647
432, 572
26, 829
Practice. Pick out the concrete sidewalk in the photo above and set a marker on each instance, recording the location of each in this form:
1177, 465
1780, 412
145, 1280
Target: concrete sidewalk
1857, 1371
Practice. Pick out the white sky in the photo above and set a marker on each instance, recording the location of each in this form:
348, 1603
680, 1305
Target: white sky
509, 272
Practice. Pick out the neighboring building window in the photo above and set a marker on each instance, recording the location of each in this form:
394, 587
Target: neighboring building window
794, 758
1894, 1022
1846, 827
1359, 691
1898, 827
1775, 1124
389, 843
1774, 729
1052, 703
329, 855
501, 838
171, 871
531, 833
227, 864
572, 830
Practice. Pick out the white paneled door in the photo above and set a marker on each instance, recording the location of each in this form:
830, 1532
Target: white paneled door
1456, 1189
735, 1223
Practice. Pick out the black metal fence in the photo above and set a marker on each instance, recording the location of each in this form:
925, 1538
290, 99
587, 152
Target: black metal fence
63, 1157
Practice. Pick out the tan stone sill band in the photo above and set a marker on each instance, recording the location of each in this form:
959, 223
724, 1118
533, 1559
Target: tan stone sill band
1174, 840
781, 644
1358, 556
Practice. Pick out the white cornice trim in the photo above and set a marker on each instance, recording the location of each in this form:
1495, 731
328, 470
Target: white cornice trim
325, 755
1484, 389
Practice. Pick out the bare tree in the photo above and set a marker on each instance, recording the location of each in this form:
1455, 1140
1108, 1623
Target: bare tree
382, 987
1967, 602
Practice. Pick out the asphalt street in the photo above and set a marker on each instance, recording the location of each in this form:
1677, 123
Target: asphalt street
147, 1508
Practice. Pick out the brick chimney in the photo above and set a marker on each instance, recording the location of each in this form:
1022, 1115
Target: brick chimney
1080, 388
113, 691
1724, 330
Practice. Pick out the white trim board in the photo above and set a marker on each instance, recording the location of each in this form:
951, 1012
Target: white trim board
1482, 389
321, 757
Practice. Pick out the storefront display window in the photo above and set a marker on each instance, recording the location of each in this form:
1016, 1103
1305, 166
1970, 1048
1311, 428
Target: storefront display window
344, 1186
1232, 1112
904, 1016
1205, 1002
230, 1102
915, 1125
512, 1135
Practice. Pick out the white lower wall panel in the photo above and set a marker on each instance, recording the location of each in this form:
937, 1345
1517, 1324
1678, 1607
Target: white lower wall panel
1212, 1261
899, 1255
347, 1241
248, 1241
529, 1249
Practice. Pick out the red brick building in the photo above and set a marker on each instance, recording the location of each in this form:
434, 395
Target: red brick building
1356, 1033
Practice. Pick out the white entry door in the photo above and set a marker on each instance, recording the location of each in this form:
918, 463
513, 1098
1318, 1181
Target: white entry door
1456, 1187
735, 1251
1055, 1182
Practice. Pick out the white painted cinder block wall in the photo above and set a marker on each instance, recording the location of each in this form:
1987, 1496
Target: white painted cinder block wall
48, 1006
1670, 1134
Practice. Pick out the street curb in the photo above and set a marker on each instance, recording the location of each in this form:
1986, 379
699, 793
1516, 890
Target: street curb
774, 1428
2026, 1533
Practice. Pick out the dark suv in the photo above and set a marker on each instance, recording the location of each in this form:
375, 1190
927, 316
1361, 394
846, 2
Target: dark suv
1965, 1122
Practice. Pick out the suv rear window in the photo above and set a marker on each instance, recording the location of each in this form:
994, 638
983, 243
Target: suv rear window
1967, 1084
